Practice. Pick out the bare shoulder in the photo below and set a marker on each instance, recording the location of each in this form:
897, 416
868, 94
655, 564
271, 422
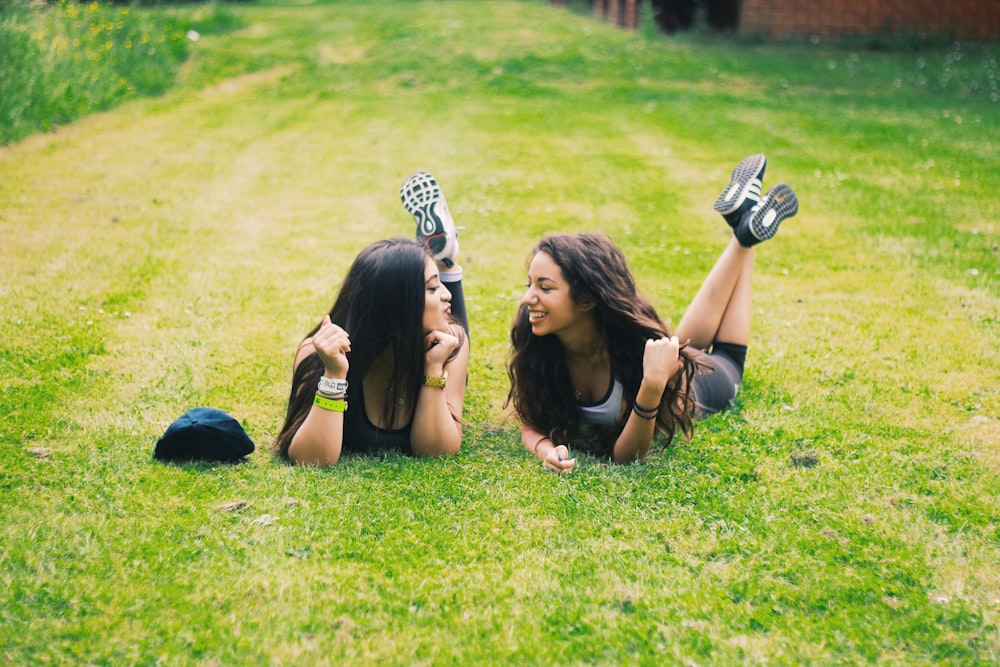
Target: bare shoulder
462, 352
305, 349
458, 331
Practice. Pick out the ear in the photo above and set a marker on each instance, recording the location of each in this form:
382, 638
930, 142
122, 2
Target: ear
586, 306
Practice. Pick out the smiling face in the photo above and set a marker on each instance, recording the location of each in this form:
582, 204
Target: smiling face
437, 301
551, 308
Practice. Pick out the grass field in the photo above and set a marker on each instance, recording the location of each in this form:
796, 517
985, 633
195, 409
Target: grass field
172, 252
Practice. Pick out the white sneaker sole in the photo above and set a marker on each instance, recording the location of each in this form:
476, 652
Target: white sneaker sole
744, 182
423, 199
779, 204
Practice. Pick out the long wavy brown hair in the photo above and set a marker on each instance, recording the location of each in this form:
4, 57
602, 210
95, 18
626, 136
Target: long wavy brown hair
541, 388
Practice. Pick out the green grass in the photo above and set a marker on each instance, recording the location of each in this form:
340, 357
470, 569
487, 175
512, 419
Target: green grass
62, 61
171, 253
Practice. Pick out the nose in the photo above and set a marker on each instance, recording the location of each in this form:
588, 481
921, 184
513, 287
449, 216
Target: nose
445, 294
529, 297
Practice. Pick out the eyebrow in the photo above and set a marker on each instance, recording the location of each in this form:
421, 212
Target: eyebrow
434, 277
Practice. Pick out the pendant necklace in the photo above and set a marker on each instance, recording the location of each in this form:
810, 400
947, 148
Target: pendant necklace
400, 401
586, 375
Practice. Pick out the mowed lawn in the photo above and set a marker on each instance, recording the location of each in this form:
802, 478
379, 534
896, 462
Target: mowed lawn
171, 254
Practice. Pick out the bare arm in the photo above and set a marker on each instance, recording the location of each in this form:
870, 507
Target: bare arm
319, 440
660, 362
437, 430
554, 457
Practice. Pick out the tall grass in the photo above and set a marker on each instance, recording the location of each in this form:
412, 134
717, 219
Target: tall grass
61, 61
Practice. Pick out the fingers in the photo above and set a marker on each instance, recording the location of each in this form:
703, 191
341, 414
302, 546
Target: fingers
328, 329
440, 338
562, 467
439, 345
662, 352
674, 353
332, 344
665, 344
660, 361
558, 460
332, 339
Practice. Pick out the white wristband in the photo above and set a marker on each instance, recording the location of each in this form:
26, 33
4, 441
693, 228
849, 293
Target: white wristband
332, 386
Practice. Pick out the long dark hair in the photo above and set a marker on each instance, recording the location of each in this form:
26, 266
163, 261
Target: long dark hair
541, 388
381, 305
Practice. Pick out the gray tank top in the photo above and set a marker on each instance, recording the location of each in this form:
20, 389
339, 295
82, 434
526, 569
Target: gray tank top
606, 411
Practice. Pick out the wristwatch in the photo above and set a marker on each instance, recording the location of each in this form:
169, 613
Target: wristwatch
440, 382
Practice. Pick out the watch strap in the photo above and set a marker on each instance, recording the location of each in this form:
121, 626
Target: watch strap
439, 382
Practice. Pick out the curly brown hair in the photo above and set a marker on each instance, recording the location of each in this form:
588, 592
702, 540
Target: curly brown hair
541, 388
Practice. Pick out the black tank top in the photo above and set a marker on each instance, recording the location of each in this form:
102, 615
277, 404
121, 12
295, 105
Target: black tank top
363, 437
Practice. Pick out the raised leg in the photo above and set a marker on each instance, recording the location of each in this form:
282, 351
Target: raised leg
722, 308
452, 280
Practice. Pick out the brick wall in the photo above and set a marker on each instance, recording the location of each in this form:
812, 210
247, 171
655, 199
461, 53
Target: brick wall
968, 19
622, 12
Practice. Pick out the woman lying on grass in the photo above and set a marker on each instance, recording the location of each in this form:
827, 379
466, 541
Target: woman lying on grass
396, 339
593, 365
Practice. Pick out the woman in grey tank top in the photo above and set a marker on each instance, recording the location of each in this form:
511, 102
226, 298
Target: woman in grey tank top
594, 367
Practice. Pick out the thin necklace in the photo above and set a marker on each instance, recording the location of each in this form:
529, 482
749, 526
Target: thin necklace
400, 400
586, 375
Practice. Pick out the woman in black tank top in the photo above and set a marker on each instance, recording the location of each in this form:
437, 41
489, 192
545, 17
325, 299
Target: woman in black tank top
385, 369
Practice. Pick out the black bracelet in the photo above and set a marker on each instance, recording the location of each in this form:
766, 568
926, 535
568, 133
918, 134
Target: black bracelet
539, 441
641, 410
648, 418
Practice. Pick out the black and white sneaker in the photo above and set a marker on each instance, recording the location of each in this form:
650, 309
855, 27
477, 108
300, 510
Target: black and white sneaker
761, 222
423, 199
743, 191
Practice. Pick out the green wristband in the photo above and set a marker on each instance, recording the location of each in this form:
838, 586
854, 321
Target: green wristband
330, 404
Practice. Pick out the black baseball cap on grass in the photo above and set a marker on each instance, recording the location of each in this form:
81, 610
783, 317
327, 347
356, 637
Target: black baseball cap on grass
204, 434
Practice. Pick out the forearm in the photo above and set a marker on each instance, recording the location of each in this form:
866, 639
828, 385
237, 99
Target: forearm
435, 431
535, 442
636, 438
319, 440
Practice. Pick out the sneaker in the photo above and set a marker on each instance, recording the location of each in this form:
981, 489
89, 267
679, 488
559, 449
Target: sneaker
761, 222
743, 191
423, 199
